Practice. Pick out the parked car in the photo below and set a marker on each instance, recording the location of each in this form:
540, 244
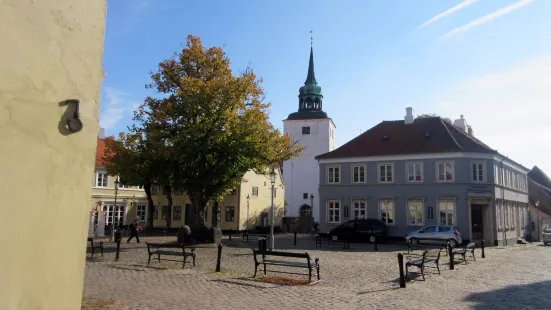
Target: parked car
546, 236
360, 230
436, 234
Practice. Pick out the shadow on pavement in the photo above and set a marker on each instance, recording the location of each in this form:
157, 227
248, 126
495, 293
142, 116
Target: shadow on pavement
526, 296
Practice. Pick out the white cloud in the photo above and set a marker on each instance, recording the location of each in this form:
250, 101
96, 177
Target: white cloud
111, 117
116, 104
509, 110
488, 18
456, 8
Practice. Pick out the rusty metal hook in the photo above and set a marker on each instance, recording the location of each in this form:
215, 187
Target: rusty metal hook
74, 124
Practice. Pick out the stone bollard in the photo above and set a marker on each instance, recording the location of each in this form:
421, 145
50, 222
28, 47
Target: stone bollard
218, 259
375, 245
450, 254
230, 234
401, 268
118, 237
482, 248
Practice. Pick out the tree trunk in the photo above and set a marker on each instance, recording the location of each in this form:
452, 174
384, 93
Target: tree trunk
197, 211
215, 212
151, 207
168, 215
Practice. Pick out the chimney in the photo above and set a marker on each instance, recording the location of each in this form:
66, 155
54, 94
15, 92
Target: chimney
461, 123
101, 134
408, 119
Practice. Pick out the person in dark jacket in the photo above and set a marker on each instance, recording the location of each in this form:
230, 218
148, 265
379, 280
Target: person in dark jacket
135, 230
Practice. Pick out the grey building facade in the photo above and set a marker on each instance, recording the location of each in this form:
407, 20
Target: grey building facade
424, 172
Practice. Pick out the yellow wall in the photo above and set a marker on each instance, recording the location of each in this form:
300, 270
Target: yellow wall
51, 51
262, 202
257, 204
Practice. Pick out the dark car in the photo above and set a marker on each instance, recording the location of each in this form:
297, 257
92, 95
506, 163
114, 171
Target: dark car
360, 230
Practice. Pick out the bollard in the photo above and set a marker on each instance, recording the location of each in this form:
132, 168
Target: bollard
450, 254
482, 248
375, 245
118, 237
219, 258
401, 268
295, 238
230, 234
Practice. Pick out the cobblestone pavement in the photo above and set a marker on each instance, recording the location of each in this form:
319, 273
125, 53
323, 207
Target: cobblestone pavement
516, 277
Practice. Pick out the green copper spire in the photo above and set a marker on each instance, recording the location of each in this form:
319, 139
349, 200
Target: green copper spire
311, 78
310, 96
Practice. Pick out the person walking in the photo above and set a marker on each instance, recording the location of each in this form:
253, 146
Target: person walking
135, 230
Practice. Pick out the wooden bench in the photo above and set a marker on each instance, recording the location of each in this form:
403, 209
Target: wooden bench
319, 238
463, 251
436, 244
267, 258
429, 258
155, 249
95, 246
246, 235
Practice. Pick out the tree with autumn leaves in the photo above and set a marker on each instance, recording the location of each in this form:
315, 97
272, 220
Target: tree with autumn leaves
202, 132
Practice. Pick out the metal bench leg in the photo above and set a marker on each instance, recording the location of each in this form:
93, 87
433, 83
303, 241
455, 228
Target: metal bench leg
264, 269
474, 256
159, 257
318, 271
92, 252
149, 260
423, 272
438, 267
309, 275
406, 276
194, 260
255, 269
101, 250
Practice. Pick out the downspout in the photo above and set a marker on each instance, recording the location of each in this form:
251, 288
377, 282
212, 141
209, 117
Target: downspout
503, 202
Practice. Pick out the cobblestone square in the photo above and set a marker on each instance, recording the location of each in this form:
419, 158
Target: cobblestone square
515, 277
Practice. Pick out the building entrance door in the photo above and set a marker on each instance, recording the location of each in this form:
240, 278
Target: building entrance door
477, 221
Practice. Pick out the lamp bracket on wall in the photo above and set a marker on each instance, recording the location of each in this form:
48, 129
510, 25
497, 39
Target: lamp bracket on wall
74, 124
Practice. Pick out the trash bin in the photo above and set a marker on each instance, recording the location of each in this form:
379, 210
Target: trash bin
262, 244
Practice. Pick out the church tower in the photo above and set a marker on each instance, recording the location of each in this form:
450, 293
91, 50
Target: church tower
314, 130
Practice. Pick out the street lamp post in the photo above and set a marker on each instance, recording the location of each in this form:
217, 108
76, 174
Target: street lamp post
247, 223
272, 180
311, 212
117, 182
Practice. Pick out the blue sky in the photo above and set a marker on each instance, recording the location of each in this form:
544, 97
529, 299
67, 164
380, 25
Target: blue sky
489, 60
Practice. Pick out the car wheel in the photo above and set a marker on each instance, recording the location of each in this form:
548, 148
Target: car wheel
372, 239
453, 243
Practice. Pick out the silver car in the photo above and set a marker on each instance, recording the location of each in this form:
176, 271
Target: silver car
546, 236
436, 234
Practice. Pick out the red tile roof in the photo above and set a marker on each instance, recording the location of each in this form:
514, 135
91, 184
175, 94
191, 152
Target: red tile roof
425, 135
100, 152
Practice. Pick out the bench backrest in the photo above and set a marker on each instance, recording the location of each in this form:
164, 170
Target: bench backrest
471, 245
282, 254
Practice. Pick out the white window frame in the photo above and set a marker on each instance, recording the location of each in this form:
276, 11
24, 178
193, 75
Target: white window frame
386, 181
496, 174
106, 179
506, 216
499, 211
382, 207
360, 167
409, 210
420, 164
334, 210
454, 207
335, 172
144, 211
357, 206
445, 162
484, 172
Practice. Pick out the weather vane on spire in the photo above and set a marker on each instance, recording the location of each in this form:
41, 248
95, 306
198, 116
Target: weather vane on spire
311, 37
